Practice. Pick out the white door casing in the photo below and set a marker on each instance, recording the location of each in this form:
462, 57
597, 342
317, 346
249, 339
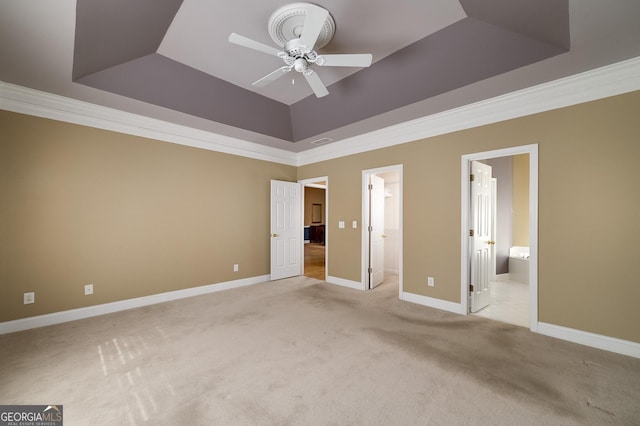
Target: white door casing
480, 242
376, 231
286, 229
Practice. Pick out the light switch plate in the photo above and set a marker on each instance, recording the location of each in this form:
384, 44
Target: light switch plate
354, 224
341, 224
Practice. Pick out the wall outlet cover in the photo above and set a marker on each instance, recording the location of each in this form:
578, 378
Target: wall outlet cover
29, 298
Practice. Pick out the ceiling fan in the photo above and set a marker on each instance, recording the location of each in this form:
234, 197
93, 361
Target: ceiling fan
300, 29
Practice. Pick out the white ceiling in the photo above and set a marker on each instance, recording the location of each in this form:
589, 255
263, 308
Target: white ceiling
198, 37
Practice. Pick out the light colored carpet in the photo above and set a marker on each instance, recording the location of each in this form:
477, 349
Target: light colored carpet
299, 351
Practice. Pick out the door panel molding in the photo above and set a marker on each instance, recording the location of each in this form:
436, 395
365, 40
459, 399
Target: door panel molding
481, 211
376, 231
286, 229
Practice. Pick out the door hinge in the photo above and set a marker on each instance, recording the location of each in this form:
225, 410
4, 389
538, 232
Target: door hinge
472, 178
370, 228
471, 233
471, 288
370, 270
370, 187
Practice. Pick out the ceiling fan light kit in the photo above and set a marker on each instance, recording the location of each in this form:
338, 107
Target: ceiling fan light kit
299, 29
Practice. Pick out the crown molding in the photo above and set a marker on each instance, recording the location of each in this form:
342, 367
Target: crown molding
611, 80
47, 105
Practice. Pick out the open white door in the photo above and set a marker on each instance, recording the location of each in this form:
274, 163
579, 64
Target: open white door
494, 227
286, 229
481, 245
376, 231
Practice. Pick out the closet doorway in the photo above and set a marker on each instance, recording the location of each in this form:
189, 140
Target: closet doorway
382, 229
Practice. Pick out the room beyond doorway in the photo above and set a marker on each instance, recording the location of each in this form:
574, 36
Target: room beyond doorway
508, 290
314, 219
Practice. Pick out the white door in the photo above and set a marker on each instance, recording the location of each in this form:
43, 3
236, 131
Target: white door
376, 231
494, 227
481, 245
286, 229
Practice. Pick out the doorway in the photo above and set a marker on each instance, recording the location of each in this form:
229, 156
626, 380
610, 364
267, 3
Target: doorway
315, 210
513, 290
382, 229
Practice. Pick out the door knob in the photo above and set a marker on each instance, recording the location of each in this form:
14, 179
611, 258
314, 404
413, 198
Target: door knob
491, 242
274, 235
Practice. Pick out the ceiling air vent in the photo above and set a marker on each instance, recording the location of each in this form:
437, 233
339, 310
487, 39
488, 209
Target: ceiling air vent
321, 141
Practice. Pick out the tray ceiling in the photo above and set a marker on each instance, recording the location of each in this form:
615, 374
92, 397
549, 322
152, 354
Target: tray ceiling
170, 59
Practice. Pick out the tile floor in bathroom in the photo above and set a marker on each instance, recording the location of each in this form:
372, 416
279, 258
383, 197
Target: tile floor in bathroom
509, 303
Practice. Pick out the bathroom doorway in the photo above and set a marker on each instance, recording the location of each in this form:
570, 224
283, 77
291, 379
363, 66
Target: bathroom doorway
510, 283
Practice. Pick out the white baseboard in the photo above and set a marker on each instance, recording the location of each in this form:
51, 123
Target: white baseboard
432, 303
345, 283
599, 341
122, 305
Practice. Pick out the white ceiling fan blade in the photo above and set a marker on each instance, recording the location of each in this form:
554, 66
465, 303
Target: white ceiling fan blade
252, 44
313, 23
271, 77
316, 84
345, 60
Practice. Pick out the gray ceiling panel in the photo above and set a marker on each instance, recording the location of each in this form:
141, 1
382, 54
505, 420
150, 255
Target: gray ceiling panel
161, 81
112, 32
544, 20
461, 54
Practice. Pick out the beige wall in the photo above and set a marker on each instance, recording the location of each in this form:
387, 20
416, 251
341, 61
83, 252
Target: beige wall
136, 217
588, 209
521, 200
131, 215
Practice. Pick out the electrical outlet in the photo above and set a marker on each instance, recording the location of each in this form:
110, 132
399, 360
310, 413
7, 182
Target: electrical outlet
236, 268
29, 298
88, 289
431, 282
